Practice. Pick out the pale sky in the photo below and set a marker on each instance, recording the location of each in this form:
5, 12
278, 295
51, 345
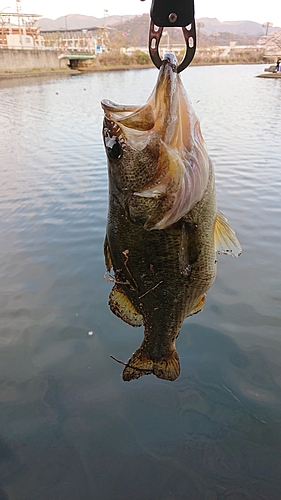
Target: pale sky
224, 10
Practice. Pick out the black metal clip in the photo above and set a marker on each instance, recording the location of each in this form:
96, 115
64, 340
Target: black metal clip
170, 13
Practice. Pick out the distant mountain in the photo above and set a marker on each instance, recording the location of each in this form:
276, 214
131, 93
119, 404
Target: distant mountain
213, 25
137, 27
241, 32
77, 21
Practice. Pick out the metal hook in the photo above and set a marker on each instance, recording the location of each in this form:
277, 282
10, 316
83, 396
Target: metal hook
172, 13
189, 33
155, 33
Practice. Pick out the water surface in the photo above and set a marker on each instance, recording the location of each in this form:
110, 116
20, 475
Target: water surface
70, 428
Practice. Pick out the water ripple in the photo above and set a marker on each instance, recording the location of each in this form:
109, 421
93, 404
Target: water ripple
215, 432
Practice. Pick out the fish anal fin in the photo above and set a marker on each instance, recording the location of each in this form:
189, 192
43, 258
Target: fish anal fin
107, 256
122, 307
166, 367
225, 238
199, 306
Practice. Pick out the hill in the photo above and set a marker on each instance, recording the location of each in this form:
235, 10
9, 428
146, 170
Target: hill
136, 28
77, 21
212, 32
211, 25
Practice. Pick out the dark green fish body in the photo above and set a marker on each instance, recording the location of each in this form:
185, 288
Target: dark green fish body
163, 228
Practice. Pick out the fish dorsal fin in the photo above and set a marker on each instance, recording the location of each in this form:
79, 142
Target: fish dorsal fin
225, 238
199, 306
122, 307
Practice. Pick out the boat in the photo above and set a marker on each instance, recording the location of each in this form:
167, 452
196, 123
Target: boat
272, 71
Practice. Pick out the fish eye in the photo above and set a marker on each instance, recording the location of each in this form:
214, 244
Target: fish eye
113, 149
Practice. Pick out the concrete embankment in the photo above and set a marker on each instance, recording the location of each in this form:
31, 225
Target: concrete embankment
13, 60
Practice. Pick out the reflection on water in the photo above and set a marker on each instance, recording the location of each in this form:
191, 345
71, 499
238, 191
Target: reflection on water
70, 428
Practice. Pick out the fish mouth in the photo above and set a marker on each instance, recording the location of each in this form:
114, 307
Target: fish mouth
173, 111
159, 109
169, 116
165, 100
165, 110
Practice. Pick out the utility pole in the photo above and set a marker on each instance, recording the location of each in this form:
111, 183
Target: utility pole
266, 26
66, 34
3, 20
104, 36
19, 20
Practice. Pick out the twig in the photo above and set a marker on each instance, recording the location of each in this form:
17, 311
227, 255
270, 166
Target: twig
111, 279
130, 366
118, 360
126, 254
150, 290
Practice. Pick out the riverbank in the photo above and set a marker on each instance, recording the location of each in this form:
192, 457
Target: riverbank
22, 63
5, 75
36, 73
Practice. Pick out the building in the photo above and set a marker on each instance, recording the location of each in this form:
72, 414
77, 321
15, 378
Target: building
20, 31
73, 40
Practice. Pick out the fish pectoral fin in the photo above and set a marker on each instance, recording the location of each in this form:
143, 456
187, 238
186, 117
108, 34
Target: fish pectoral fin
122, 307
166, 367
199, 306
225, 238
107, 256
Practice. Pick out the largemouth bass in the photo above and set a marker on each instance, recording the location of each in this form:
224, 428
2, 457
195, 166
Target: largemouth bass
163, 227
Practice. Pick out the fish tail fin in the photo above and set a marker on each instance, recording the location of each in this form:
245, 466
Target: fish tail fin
166, 367
139, 364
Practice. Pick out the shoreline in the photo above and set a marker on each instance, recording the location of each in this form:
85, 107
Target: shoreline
101, 69
36, 73
66, 72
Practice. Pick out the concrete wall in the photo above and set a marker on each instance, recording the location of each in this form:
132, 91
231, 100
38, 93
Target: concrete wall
18, 60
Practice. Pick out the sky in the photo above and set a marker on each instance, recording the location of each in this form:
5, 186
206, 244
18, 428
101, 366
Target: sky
224, 10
